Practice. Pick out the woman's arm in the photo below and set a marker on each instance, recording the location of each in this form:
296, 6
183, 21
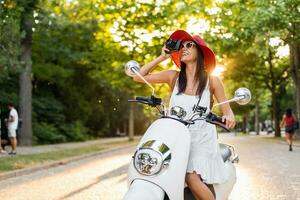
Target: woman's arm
219, 93
282, 123
166, 76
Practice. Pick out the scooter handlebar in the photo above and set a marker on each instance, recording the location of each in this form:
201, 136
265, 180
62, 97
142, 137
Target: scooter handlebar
141, 99
151, 100
214, 119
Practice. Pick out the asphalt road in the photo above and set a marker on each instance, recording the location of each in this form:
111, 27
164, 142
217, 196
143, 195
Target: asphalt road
267, 171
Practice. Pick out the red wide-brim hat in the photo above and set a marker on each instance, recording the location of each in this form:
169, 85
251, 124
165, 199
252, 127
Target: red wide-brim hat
209, 56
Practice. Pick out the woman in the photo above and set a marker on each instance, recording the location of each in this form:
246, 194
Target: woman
192, 83
288, 121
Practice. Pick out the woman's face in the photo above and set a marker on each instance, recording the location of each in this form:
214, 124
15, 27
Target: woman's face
189, 52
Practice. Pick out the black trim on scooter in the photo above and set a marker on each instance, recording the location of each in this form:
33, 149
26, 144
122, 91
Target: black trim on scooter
182, 121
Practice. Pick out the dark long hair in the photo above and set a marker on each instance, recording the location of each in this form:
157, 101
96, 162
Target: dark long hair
201, 75
288, 112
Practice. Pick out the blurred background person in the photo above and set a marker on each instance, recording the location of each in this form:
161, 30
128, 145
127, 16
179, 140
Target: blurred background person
12, 125
288, 121
1, 149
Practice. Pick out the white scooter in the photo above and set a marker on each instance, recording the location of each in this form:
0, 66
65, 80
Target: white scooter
158, 167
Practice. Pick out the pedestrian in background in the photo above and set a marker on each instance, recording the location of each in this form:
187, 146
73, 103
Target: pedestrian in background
288, 121
1, 150
12, 125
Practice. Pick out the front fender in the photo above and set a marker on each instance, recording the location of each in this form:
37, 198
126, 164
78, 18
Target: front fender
145, 190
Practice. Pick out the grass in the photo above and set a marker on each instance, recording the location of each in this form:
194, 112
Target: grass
9, 163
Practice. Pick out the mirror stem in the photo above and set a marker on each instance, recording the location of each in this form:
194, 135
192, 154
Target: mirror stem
230, 100
137, 73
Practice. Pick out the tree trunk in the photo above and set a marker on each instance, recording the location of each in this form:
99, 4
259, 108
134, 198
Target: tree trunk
276, 113
125, 127
245, 122
295, 70
25, 84
131, 122
257, 127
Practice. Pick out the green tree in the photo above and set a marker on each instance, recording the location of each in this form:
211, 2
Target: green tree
9, 52
244, 31
25, 85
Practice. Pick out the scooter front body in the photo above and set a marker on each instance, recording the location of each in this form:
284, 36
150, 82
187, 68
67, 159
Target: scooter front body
169, 139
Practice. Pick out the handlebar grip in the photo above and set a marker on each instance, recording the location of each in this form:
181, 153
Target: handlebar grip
155, 101
222, 125
151, 101
219, 119
214, 119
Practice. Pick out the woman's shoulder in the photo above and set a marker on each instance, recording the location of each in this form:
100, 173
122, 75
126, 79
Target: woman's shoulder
214, 82
173, 74
173, 71
214, 78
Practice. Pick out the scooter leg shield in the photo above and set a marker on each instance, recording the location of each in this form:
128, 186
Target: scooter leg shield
144, 190
223, 190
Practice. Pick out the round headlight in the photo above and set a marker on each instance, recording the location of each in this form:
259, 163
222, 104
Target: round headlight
148, 162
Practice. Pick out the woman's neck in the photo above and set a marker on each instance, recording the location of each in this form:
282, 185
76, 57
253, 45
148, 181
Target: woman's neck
191, 70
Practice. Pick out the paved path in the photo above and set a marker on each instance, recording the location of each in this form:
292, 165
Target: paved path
56, 147
267, 171
98, 178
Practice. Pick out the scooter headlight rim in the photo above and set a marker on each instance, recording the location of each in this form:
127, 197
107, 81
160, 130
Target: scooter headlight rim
151, 158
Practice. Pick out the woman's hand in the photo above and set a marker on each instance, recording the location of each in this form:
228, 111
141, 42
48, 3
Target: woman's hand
230, 121
163, 54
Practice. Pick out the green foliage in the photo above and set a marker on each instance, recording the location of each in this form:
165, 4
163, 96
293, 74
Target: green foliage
48, 109
9, 39
244, 40
75, 131
79, 49
45, 133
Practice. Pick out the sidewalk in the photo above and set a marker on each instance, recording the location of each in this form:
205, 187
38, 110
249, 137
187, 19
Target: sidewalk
266, 170
25, 150
264, 134
22, 150
280, 140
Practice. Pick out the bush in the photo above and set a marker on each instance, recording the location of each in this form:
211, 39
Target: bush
45, 133
75, 131
47, 109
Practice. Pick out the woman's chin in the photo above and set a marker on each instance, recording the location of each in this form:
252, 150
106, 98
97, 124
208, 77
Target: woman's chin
184, 60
